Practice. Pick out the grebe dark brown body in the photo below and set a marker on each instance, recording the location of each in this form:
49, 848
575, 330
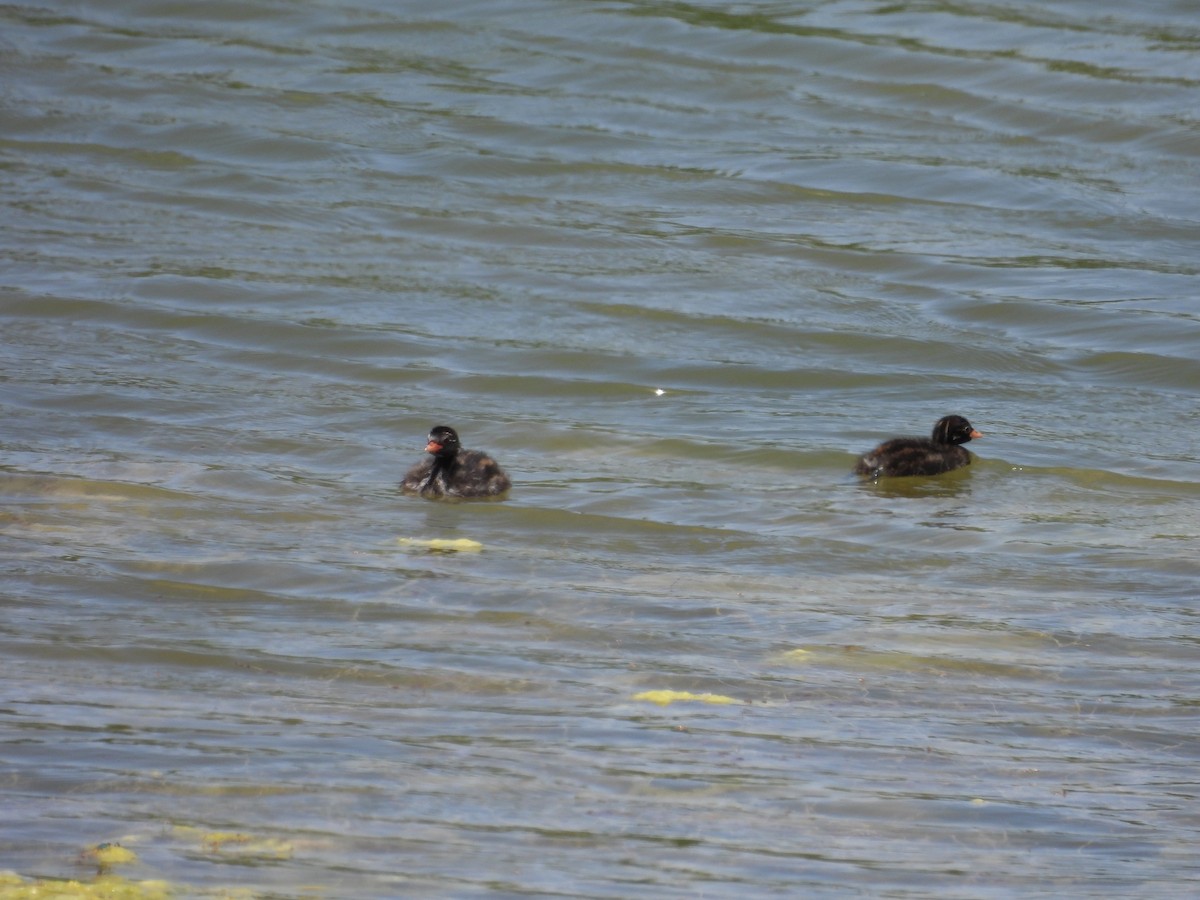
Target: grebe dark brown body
922, 456
453, 472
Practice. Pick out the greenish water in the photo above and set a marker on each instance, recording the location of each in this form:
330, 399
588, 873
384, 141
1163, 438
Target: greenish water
674, 265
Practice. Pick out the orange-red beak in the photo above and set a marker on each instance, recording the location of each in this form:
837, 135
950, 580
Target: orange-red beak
433, 447
975, 434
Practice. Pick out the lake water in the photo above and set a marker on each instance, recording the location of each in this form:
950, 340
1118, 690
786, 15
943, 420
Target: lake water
674, 265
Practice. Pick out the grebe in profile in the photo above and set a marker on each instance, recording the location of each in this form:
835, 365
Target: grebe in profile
454, 472
922, 456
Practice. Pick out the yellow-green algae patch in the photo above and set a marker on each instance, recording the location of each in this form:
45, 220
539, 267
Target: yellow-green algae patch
108, 886
447, 545
662, 698
236, 843
110, 854
797, 655
103, 887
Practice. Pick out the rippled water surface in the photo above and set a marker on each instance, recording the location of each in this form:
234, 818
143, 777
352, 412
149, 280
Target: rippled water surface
674, 265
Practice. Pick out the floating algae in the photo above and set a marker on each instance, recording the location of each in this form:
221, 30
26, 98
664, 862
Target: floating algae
662, 698
446, 545
104, 887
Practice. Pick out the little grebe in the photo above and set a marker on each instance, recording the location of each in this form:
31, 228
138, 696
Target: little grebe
454, 472
922, 456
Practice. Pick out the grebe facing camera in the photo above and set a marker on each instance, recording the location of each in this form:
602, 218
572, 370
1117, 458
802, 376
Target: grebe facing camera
453, 472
